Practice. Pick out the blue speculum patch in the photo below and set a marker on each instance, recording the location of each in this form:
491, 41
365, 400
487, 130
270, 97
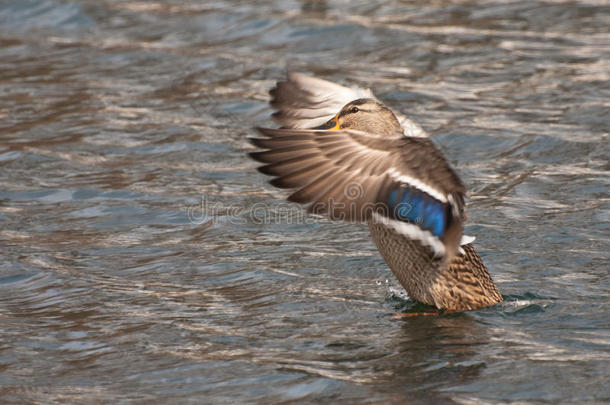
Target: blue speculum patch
414, 206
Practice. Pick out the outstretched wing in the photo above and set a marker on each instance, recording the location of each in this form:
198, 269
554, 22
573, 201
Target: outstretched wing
304, 101
404, 182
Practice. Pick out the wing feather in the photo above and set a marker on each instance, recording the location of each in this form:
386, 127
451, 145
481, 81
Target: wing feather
303, 101
349, 174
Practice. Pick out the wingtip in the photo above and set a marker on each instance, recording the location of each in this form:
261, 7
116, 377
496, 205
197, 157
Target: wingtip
274, 93
292, 76
279, 183
255, 142
296, 198
269, 132
260, 130
265, 170
257, 156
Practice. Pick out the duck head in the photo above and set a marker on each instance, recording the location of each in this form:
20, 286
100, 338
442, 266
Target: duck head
367, 115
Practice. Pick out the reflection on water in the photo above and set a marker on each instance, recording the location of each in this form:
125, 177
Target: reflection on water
136, 266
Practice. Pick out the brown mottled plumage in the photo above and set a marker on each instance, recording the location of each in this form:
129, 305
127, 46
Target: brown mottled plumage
333, 138
463, 285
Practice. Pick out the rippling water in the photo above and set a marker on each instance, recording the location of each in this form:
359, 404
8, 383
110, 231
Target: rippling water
144, 259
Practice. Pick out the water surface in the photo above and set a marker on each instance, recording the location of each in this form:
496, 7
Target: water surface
145, 260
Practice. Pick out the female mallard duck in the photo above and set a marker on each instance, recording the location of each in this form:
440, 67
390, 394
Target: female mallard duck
365, 163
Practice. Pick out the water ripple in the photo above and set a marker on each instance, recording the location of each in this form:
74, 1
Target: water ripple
144, 258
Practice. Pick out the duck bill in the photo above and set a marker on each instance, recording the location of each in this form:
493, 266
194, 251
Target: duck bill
331, 125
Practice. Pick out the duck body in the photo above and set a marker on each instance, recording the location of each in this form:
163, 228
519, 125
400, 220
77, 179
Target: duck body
462, 285
349, 157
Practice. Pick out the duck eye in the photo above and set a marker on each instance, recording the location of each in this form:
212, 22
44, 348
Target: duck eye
354, 110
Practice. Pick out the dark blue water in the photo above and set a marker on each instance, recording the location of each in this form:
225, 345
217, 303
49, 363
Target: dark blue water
143, 259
